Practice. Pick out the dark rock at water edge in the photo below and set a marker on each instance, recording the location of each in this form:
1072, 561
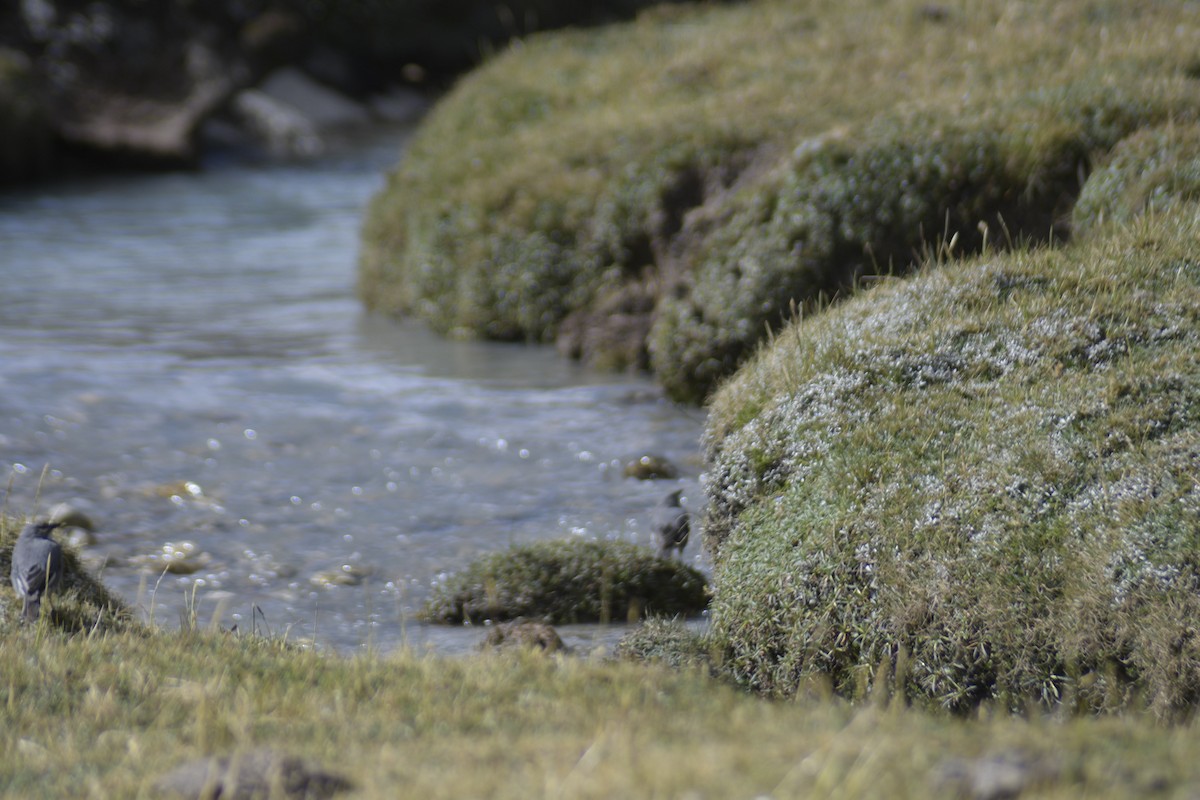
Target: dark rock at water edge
523, 634
25, 134
650, 467
87, 83
128, 79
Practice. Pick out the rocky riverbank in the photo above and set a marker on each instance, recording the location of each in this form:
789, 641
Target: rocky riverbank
157, 85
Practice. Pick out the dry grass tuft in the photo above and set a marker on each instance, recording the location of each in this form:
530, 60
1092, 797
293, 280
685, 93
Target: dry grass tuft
106, 716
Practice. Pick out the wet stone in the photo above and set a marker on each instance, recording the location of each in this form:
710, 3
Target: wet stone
80, 537
177, 558
345, 575
523, 635
66, 515
650, 467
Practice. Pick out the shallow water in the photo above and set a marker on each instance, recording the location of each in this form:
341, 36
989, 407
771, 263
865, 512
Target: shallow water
185, 355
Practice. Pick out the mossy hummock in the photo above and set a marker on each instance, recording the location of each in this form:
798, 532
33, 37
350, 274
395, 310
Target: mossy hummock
980, 480
666, 192
569, 581
82, 604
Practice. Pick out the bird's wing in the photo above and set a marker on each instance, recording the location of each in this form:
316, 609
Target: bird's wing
674, 525
56, 565
30, 579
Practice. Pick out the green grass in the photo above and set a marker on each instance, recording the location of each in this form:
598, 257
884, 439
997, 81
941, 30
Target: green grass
105, 710
981, 478
105, 716
1150, 172
672, 186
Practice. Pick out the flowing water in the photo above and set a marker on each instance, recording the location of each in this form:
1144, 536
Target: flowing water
183, 357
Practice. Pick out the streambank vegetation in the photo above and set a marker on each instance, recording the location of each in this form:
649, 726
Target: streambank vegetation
981, 477
973, 483
658, 194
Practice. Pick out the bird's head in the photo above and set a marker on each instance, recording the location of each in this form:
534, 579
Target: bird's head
39, 529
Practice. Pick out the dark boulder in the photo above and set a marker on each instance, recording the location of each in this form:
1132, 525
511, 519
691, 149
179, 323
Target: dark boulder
128, 79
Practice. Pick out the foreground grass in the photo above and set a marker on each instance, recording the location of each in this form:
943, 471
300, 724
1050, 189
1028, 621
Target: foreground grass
107, 708
104, 716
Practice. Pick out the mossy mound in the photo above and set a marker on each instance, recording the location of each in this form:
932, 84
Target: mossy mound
842, 210
666, 191
1147, 173
977, 483
569, 581
669, 642
82, 605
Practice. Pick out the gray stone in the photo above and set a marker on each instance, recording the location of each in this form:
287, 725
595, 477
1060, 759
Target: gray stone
254, 775
282, 129
66, 515
321, 106
524, 635
120, 118
996, 777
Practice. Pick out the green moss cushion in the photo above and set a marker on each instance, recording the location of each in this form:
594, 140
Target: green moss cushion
569, 581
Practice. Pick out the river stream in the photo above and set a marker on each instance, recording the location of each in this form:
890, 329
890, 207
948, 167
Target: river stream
183, 358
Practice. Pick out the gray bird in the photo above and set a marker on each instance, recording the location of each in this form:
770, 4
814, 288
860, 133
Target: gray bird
37, 567
672, 525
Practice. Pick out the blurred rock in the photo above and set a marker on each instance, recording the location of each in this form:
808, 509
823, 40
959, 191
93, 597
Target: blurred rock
997, 777
650, 467
116, 111
320, 105
78, 529
68, 516
279, 127
523, 635
345, 575
290, 114
256, 774
177, 558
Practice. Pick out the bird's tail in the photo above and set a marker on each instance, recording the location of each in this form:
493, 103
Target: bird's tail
32, 609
